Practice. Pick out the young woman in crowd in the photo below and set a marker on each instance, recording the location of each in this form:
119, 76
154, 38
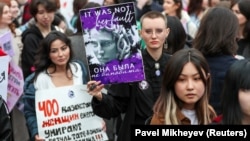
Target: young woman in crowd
15, 12
43, 12
54, 68
174, 8
185, 91
196, 10
6, 26
242, 11
14, 45
236, 95
217, 43
177, 38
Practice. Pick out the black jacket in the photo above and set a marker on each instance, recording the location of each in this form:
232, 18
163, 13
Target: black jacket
31, 38
218, 66
5, 122
131, 98
243, 48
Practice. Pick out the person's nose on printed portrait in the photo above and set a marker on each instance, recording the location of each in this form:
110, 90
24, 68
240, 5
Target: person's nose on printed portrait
98, 50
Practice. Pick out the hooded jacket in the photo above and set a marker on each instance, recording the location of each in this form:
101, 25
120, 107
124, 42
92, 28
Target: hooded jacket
31, 39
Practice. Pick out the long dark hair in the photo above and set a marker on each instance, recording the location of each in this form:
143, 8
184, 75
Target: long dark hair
195, 7
42, 58
167, 102
180, 8
237, 78
245, 10
217, 32
177, 36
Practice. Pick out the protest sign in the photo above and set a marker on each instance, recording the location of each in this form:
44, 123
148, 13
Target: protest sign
15, 85
4, 63
112, 43
6, 43
65, 113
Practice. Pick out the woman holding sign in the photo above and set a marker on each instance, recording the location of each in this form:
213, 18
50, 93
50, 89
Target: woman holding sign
10, 37
53, 68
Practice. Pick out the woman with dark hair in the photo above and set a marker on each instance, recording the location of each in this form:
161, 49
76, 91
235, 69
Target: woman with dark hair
242, 11
185, 90
175, 8
177, 38
43, 12
54, 68
217, 43
196, 10
236, 95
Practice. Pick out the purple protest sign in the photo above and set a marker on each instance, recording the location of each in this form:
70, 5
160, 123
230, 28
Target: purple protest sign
112, 43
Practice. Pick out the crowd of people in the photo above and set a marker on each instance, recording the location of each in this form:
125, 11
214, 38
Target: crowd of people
195, 58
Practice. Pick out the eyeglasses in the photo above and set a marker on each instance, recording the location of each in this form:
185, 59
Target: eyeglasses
151, 32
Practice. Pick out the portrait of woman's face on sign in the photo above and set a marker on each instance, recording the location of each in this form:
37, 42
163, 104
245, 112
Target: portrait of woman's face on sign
107, 44
101, 44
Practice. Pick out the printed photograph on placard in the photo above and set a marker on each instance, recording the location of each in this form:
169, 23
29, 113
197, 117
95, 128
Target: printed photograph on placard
112, 46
